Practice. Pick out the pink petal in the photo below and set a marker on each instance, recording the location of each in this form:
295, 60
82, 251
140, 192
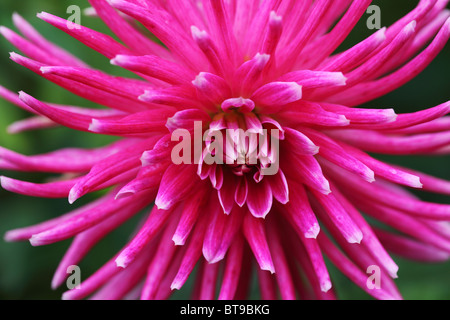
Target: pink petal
148, 231
176, 185
259, 198
271, 97
256, 237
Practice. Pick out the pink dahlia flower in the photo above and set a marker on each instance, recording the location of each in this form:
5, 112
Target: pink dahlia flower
275, 206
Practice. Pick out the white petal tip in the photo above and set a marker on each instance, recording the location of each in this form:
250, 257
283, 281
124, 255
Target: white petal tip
411, 26
216, 259
262, 216
199, 80
3, 30
344, 121
162, 205
12, 129
66, 296
271, 270
175, 286
115, 61
15, 15
391, 115
45, 70
121, 262
23, 96
124, 194
356, 238
74, 194
56, 282
315, 150
198, 34
4, 182
268, 267
72, 199
146, 97
178, 240
209, 256
381, 34
118, 60
325, 287
9, 236
297, 91
95, 126
42, 14
370, 176
416, 183
35, 240
274, 17
313, 232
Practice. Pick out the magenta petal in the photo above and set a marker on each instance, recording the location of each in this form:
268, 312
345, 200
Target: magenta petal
274, 95
241, 192
212, 87
192, 255
308, 171
188, 219
283, 275
160, 263
344, 223
59, 189
350, 270
256, 237
175, 185
185, 119
231, 226
214, 232
154, 66
227, 192
299, 212
87, 217
149, 230
259, 198
232, 268
244, 105
316, 257
315, 79
279, 187
410, 248
299, 143
85, 240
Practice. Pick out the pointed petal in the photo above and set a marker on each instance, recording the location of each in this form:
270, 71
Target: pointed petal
176, 184
273, 96
259, 198
255, 234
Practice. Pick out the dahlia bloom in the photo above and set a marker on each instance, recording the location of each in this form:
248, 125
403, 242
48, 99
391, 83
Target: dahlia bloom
266, 67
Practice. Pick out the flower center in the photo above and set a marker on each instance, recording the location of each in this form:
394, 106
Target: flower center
242, 140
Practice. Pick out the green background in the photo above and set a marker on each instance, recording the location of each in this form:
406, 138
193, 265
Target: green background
26, 272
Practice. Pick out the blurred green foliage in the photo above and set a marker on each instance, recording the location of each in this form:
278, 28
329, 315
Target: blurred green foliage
26, 272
